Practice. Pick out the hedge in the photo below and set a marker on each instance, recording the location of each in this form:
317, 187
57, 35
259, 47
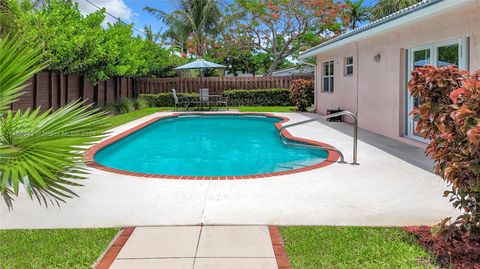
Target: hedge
263, 97
164, 99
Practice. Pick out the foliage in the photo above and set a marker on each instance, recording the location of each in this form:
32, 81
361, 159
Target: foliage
164, 99
41, 151
449, 116
76, 43
354, 14
458, 254
280, 27
121, 106
197, 19
386, 7
261, 97
59, 248
353, 248
139, 103
302, 93
17, 64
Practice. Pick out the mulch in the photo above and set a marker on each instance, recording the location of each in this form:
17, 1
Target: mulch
458, 254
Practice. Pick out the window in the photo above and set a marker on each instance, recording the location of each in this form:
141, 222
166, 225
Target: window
328, 76
348, 62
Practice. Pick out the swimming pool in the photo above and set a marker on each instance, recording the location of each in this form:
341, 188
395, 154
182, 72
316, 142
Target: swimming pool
207, 146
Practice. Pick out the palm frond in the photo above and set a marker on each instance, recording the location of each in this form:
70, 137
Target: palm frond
18, 62
43, 151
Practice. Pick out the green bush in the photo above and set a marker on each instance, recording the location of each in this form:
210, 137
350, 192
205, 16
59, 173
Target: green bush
164, 99
139, 103
121, 106
302, 93
262, 97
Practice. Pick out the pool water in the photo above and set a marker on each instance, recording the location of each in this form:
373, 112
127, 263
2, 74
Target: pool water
224, 145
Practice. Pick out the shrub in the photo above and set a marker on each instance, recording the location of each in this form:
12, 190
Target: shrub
164, 99
449, 113
121, 106
302, 93
139, 103
263, 97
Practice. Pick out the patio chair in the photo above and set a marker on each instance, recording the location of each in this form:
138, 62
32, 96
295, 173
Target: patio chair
221, 100
205, 97
186, 102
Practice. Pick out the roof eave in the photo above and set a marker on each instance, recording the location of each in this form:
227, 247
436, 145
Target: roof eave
389, 23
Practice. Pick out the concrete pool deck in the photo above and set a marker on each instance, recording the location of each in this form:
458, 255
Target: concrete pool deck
382, 191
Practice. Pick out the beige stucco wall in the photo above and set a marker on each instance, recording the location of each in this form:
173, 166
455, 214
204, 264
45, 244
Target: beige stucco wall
381, 85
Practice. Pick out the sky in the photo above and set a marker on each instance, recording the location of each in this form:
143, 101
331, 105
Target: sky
131, 11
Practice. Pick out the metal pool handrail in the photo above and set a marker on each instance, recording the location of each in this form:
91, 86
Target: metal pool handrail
341, 113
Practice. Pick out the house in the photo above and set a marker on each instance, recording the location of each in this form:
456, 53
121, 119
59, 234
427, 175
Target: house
294, 71
367, 69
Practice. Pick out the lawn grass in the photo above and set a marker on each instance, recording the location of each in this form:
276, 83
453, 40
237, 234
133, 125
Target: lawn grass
60, 248
353, 247
265, 108
127, 117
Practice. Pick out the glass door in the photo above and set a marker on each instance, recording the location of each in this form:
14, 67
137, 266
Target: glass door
419, 57
439, 54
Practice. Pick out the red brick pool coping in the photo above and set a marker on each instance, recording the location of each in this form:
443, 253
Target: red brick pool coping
90, 153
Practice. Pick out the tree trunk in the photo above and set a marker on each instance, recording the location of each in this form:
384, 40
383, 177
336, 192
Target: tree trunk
273, 66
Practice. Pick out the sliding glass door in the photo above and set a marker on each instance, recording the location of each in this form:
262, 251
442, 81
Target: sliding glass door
451, 52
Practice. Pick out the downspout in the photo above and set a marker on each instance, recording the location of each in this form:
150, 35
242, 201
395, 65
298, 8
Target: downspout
314, 82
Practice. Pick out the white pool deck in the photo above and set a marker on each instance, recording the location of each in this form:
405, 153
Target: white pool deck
382, 191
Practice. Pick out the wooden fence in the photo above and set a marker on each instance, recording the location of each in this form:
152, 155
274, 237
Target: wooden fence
54, 90
216, 85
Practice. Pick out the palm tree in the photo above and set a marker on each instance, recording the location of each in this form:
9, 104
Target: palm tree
198, 19
150, 36
386, 7
356, 13
177, 36
40, 150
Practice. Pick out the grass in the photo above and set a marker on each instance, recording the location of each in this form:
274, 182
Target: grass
61, 248
265, 108
353, 247
127, 117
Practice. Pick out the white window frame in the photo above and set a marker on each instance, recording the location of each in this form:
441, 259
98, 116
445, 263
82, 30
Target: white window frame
346, 65
433, 47
330, 75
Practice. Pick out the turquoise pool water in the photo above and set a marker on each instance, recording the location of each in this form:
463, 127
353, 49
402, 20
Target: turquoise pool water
226, 145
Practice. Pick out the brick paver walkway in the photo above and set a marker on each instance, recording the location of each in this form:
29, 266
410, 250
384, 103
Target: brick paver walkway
197, 247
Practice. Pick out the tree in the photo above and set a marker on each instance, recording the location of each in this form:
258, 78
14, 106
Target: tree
78, 44
386, 7
150, 36
355, 13
41, 151
280, 27
198, 19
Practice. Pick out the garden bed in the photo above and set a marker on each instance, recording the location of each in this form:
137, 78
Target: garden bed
459, 254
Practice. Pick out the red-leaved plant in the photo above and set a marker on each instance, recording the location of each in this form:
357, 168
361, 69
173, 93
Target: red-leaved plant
449, 113
301, 93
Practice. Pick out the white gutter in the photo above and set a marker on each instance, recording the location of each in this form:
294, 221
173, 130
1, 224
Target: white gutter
399, 19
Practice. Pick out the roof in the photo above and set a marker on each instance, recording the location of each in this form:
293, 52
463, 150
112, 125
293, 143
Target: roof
413, 13
294, 70
200, 64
